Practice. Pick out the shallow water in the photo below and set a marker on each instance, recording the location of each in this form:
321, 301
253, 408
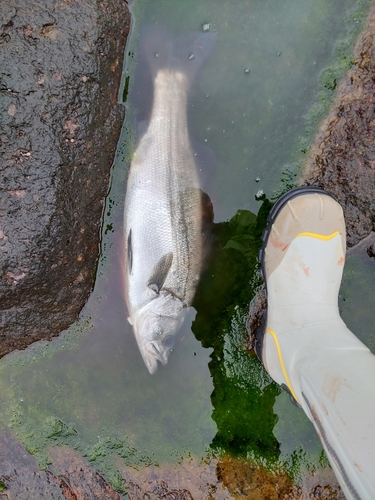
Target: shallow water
89, 388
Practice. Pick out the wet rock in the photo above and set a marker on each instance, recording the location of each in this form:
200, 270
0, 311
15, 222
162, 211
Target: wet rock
69, 477
190, 479
366, 246
249, 482
256, 313
342, 159
20, 478
253, 483
371, 251
156, 491
82, 480
60, 70
321, 484
227, 478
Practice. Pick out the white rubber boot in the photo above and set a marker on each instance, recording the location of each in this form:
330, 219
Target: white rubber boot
306, 347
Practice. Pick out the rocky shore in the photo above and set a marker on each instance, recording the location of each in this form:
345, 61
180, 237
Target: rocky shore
61, 65
342, 158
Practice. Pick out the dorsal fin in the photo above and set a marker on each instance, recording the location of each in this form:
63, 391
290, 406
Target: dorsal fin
160, 272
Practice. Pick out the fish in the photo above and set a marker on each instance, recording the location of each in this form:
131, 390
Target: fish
163, 202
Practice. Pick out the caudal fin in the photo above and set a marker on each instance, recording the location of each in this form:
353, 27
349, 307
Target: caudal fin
186, 53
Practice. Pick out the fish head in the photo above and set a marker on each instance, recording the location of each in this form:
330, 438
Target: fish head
155, 327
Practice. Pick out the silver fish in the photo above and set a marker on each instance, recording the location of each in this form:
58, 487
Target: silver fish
162, 215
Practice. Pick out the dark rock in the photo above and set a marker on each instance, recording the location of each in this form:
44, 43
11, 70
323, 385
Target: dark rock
256, 311
20, 478
371, 251
156, 490
342, 160
71, 478
364, 248
60, 68
249, 482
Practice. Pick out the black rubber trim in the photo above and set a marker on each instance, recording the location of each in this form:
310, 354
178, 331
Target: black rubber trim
275, 210
291, 397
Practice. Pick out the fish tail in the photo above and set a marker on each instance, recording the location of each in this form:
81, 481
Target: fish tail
185, 53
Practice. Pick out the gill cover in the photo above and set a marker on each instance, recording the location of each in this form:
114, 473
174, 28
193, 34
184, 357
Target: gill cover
155, 327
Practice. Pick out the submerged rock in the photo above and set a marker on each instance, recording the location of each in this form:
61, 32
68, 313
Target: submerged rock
69, 476
249, 482
227, 478
60, 121
246, 482
73, 478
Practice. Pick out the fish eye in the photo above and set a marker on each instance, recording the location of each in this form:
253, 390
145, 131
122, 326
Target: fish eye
168, 341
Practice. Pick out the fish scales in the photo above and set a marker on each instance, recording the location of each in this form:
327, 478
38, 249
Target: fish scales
164, 166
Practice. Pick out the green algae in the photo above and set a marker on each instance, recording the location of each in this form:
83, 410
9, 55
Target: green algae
244, 395
255, 418
61, 400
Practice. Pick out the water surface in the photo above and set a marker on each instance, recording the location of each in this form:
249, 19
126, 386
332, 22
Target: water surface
252, 113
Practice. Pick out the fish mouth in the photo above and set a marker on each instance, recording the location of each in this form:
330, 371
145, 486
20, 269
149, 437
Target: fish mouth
151, 355
153, 350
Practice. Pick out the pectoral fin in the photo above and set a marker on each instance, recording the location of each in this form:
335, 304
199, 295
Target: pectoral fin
160, 272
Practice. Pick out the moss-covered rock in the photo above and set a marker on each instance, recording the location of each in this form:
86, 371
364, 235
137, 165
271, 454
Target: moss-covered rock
342, 159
